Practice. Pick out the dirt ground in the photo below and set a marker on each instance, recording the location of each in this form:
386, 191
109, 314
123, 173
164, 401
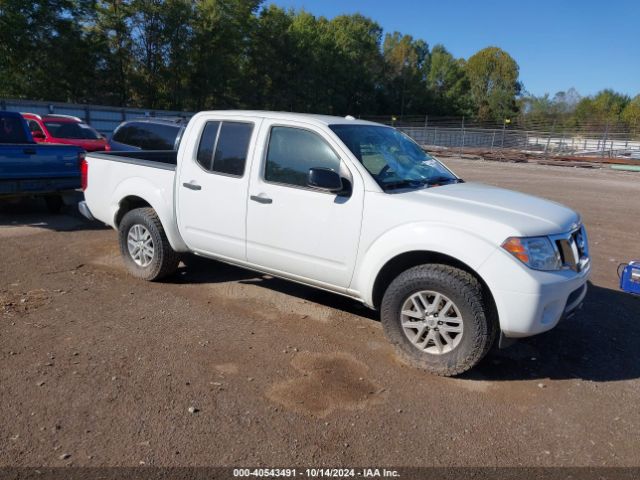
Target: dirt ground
220, 366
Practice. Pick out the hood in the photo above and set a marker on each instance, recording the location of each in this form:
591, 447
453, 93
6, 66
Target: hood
485, 207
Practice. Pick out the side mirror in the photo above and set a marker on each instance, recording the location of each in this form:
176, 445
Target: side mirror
324, 179
37, 135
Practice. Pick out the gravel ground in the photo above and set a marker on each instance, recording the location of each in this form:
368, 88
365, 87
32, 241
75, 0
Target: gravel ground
221, 366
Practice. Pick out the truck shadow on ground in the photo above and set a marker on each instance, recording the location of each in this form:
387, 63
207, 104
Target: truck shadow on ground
601, 343
203, 270
32, 212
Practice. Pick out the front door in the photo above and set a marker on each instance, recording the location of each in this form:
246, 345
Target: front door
295, 230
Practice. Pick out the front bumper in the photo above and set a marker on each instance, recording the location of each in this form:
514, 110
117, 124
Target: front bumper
84, 210
530, 302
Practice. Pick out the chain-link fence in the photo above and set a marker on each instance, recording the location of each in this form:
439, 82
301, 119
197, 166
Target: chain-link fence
590, 139
547, 138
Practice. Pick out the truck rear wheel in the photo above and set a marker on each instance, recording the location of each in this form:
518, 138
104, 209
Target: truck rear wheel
435, 317
144, 246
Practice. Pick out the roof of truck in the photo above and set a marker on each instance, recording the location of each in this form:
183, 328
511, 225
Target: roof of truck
303, 117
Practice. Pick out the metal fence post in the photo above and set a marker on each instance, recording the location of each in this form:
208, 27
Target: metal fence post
553, 129
493, 139
426, 121
604, 139
462, 143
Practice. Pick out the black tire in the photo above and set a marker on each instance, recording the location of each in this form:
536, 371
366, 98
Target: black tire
164, 261
54, 203
479, 326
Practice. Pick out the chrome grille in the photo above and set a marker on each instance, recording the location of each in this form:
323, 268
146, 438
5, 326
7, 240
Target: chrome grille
573, 249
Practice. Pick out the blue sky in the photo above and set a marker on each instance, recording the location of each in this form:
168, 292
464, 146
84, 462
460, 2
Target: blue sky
589, 45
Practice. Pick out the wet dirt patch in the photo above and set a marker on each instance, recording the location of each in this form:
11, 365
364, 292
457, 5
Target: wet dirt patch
329, 382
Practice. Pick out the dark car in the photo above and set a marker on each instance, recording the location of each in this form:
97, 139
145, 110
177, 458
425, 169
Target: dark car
160, 133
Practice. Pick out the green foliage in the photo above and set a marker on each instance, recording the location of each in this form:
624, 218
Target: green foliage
606, 106
493, 77
448, 83
210, 54
631, 114
405, 64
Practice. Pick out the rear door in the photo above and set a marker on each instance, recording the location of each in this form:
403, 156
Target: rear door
212, 185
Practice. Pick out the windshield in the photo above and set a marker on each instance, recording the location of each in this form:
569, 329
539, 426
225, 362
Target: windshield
393, 159
73, 130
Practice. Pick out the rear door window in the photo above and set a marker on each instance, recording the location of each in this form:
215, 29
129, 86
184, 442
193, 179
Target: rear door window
223, 147
207, 145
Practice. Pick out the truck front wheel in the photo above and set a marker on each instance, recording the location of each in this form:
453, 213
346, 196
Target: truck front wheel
436, 318
144, 246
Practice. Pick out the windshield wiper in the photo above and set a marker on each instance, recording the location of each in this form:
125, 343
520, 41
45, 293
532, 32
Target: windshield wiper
402, 184
420, 183
440, 180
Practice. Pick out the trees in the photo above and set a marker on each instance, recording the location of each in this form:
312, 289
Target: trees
448, 83
493, 79
38, 37
605, 107
406, 63
217, 52
111, 40
631, 114
203, 54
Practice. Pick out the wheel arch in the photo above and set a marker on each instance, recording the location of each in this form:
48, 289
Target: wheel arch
402, 262
128, 203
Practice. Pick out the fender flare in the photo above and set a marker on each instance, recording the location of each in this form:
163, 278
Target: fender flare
462, 245
160, 200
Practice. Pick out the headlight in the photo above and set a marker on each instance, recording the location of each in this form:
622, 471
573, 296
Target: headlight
535, 252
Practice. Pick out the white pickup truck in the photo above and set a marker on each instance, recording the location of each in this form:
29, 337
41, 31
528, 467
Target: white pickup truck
356, 208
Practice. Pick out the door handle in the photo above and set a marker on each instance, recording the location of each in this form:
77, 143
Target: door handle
192, 186
260, 199
29, 151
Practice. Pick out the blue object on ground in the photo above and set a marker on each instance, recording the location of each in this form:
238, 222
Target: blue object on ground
630, 277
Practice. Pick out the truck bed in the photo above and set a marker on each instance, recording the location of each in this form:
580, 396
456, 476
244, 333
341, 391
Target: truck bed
114, 177
166, 159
